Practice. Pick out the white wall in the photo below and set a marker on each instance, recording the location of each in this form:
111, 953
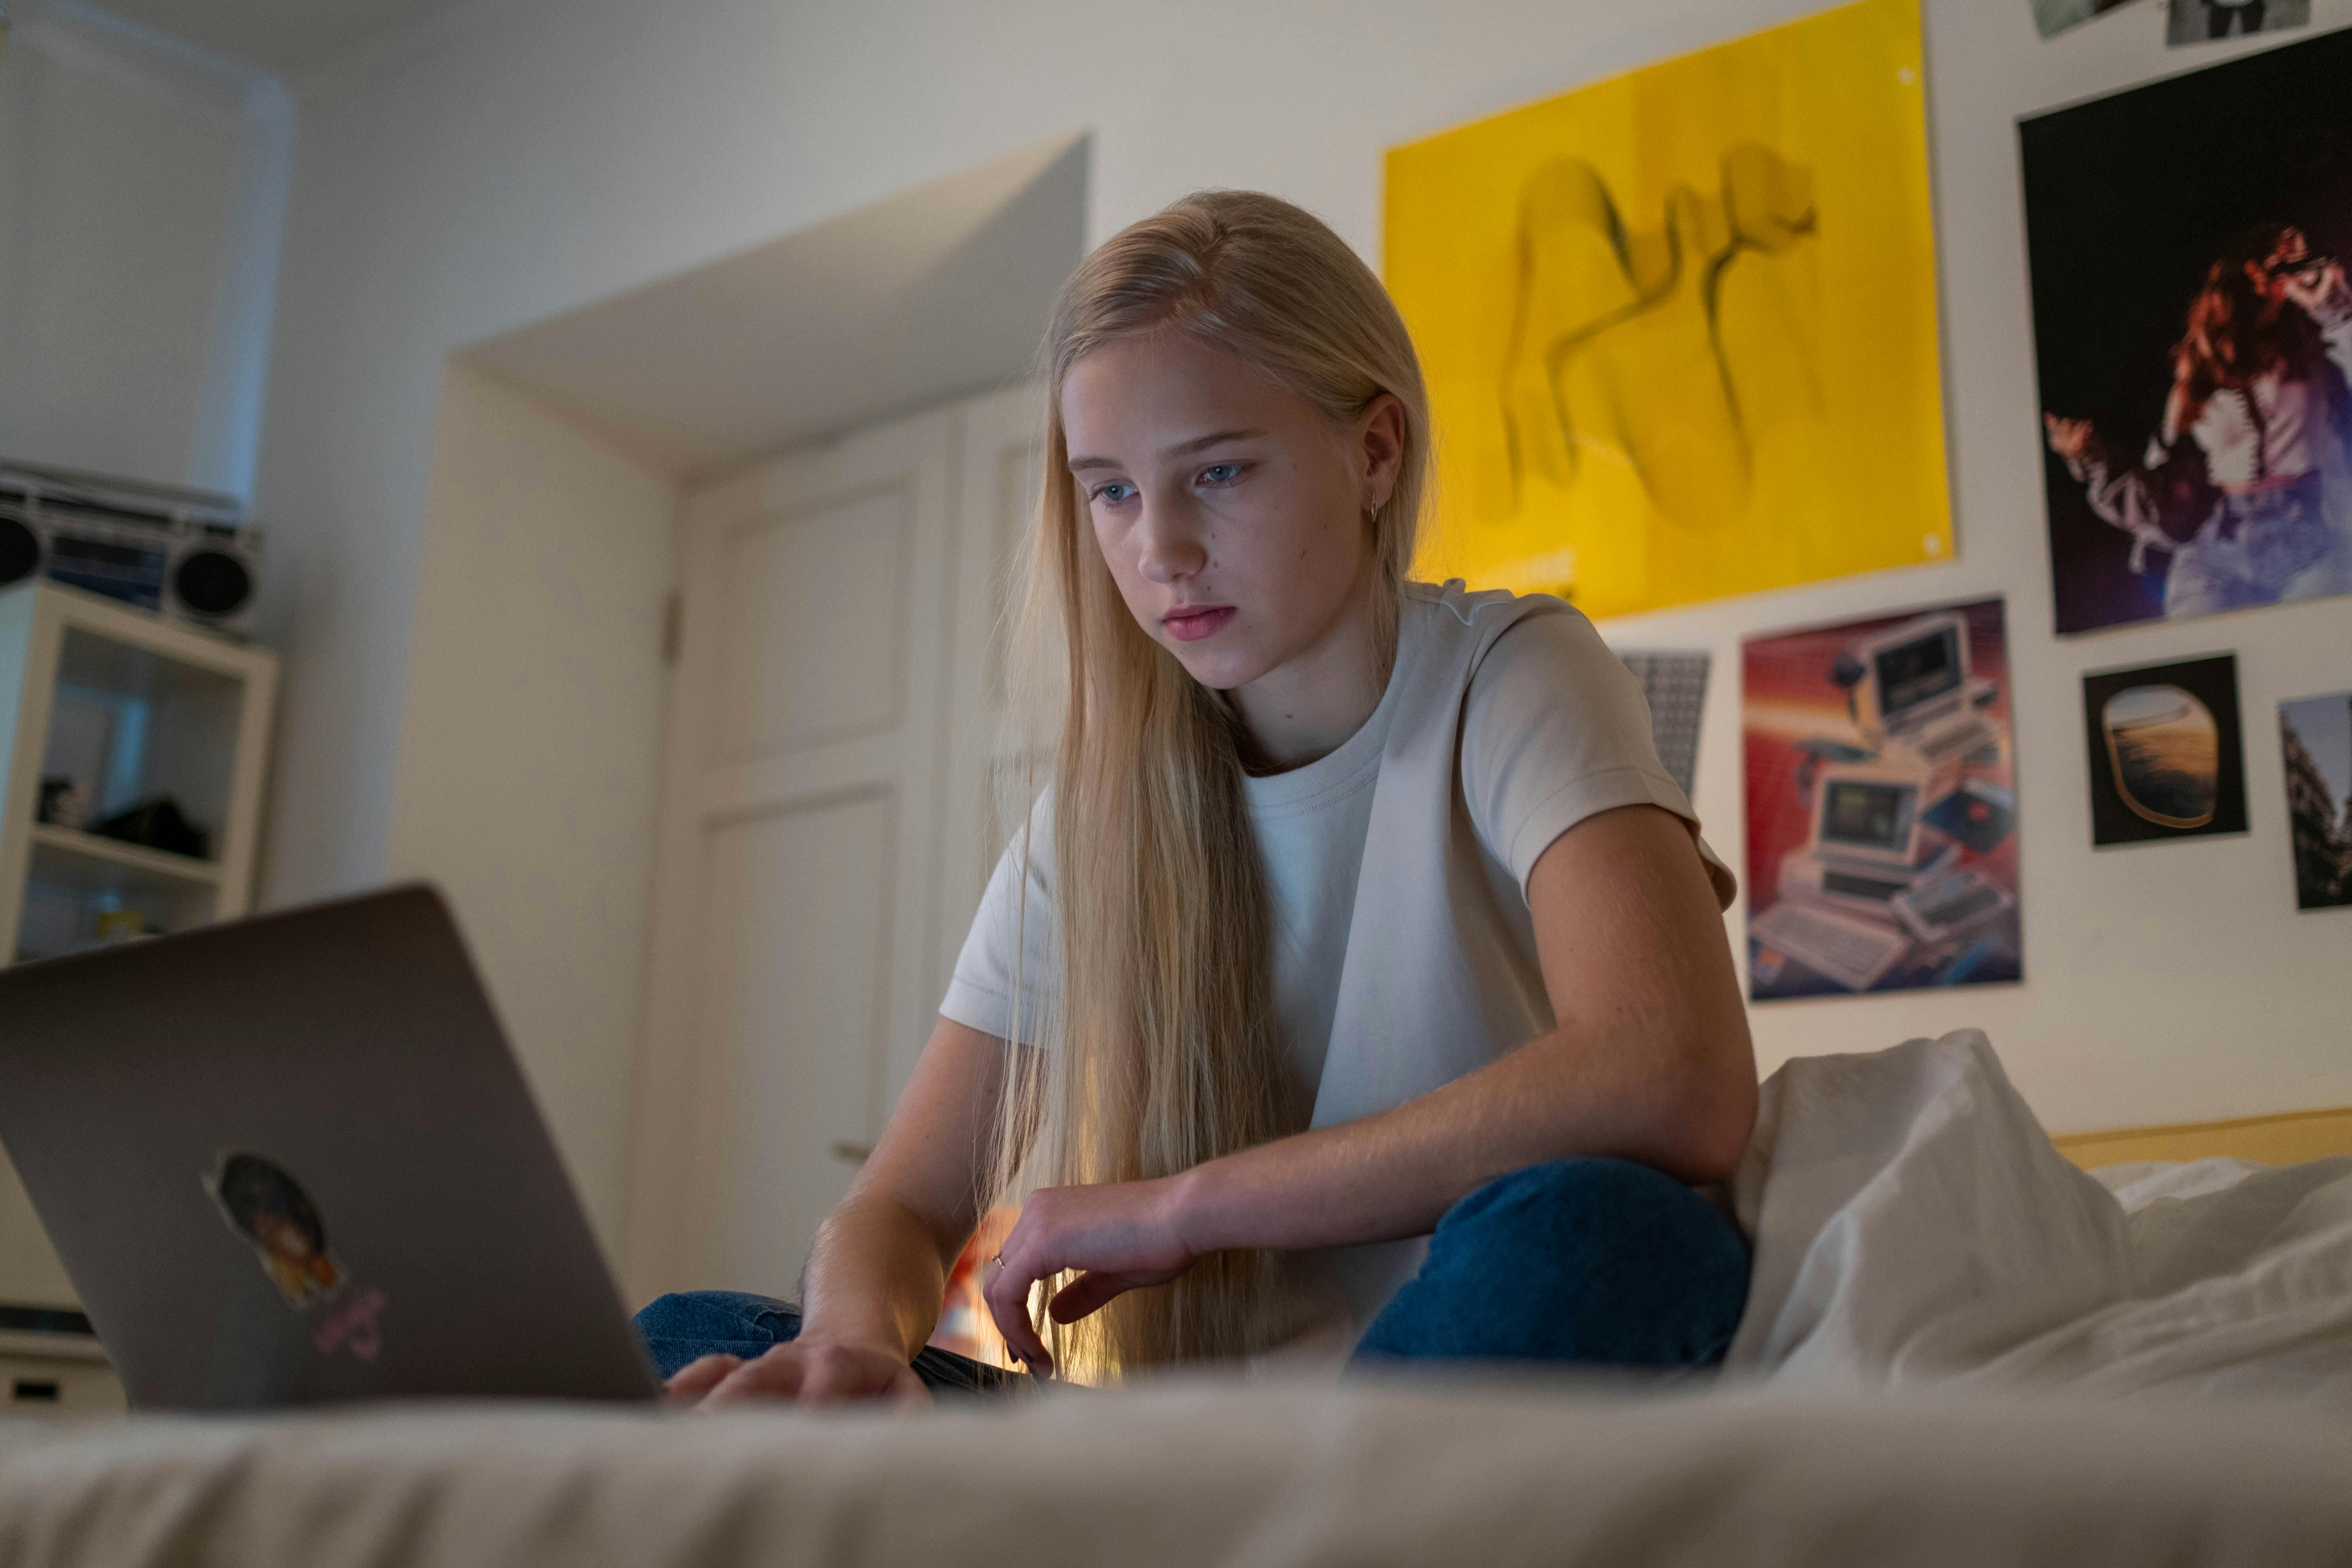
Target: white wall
469, 179
142, 188
530, 752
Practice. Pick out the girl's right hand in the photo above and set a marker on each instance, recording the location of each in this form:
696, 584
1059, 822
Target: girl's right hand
810, 1371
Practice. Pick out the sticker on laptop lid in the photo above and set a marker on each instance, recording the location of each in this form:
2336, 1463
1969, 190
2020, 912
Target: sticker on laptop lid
270, 1212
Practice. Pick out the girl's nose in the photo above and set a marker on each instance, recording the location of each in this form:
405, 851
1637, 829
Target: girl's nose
1170, 548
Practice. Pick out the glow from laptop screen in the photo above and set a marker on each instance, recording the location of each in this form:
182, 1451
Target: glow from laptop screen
1860, 815
1917, 670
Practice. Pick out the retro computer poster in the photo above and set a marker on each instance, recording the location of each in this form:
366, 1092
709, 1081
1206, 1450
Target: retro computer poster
1882, 806
1679, 327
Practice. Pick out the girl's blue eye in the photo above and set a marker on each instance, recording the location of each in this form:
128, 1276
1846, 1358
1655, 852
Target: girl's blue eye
1220, 473
1114, 491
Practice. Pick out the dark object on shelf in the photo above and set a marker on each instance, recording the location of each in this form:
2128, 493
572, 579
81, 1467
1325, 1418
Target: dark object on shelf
157, 823
64, 803
44, 1321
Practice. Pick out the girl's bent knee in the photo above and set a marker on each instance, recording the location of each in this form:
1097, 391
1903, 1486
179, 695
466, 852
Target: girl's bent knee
1593, 1187
1584, 1261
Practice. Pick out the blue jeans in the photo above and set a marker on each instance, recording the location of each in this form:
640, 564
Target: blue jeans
687, 1326
1582, 1262
1578, 1262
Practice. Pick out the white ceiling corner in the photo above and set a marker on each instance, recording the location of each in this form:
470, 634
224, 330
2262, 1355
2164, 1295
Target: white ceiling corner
940, 290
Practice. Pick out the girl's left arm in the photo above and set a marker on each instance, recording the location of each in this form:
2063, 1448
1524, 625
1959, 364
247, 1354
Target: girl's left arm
1650, 1061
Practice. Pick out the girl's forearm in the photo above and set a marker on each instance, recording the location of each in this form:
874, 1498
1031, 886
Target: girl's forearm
878, 1272
1394, 1174
875, 1276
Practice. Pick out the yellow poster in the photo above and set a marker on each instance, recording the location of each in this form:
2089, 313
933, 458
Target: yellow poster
1679, 327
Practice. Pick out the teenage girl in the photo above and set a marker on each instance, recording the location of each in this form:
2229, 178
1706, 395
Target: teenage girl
1355, 910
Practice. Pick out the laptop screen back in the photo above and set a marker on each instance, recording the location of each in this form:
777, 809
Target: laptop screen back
292, 1159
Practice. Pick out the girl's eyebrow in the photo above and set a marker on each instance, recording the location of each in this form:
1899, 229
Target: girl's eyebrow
1202, 443
1180, 449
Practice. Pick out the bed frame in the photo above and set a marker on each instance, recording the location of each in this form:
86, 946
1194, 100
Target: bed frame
2285, 1140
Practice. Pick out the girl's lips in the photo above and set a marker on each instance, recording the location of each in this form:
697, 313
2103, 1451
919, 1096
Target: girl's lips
1191, 625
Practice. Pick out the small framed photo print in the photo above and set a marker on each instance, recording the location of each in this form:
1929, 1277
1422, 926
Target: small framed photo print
2315, 734
2167, 751
2055, 16
2203, 21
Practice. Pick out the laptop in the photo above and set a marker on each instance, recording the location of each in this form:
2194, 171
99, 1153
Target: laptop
292, 1159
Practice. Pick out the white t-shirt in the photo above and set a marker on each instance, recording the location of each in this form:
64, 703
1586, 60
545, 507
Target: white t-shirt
1554, 729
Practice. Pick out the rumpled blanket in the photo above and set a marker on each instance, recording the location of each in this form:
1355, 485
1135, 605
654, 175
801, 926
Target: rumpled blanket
1913, 1225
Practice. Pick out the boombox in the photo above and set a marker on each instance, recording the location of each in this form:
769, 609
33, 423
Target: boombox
186, 553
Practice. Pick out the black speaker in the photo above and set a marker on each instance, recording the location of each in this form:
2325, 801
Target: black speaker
211, 583
20, 547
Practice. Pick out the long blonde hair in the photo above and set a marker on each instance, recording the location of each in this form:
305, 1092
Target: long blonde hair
1161, 1046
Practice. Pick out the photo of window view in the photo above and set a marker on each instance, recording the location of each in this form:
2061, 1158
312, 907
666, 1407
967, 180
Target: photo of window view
2164, 747
1882, 812
2167, 761
2315, 732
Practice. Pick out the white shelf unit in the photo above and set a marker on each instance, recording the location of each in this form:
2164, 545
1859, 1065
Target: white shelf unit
132, 708
56, 1375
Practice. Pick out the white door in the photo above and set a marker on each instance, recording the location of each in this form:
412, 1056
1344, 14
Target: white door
997, 504
820, 848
